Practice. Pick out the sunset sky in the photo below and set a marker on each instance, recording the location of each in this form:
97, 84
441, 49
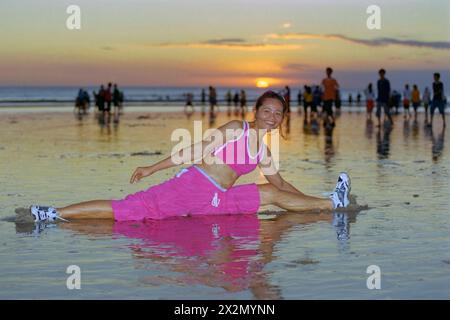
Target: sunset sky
225, 43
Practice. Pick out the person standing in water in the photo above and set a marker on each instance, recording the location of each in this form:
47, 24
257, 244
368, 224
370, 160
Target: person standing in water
415, 99
384, 92
330, 85
207, 188
438, 98
406, 102
370, 97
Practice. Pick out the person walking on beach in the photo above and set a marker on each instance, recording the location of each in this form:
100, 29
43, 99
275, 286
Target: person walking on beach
236, 103
438, 98
426, 102
287, 97
406, 102
228, 98
370, 97
101, 104
212, 99
415, 99
358, 99
299, 99
384, 91
243, 100
203, 97
189, 105
207, 187
330, 85
108, 100
308, 103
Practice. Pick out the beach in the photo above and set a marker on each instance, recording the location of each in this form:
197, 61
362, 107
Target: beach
50, 156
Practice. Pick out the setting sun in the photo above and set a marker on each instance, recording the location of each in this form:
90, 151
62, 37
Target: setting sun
262, 84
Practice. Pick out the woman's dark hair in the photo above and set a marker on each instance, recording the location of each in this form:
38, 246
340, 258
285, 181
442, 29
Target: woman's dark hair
273, 95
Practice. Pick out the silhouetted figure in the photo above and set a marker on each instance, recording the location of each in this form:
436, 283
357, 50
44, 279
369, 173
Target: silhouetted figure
228, 97
212, 99
438, 98
350, 100
370, 100
189, 105
330, 85
203, 96
406, 102
236, 103
358, 99
108, 100
384, 92
243, 100
299, 98
229, 100
287, 98
415, 100
308, 103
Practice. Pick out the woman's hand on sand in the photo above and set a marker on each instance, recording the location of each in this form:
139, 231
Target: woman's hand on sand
140, 173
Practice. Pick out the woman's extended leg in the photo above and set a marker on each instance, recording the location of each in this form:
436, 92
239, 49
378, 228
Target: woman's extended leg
269, 194
95, 209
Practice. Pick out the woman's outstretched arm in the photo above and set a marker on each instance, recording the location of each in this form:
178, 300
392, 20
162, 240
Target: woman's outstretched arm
191, 154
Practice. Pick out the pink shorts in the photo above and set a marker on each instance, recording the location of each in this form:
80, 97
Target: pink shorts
190, 192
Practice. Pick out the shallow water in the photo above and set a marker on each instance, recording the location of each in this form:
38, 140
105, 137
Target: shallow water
402, 175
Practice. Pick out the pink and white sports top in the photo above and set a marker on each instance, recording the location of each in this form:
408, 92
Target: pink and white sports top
236, 153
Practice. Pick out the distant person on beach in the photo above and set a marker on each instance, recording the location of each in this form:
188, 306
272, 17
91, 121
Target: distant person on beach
208, 186
287, 97
406, 101
426, 98
358, 99
212, 99
370, 100
82, 101
101, 100
308, 103
438, 98
350, 100
228, 97
317, 97
236, 103
330, 85
203, 96
189, 105
108, 98
243, 100
415, 99
384, 92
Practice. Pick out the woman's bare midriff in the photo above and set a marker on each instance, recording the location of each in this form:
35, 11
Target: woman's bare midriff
220, 172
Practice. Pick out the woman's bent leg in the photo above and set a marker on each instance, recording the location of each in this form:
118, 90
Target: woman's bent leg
270, 195
95, 209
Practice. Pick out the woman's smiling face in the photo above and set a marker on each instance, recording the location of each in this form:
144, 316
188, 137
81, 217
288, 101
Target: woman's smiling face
270, 114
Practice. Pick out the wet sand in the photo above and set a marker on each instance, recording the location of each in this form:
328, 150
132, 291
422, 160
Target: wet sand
54, 158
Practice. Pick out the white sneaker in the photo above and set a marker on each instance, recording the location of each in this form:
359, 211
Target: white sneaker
41, 213
340, 196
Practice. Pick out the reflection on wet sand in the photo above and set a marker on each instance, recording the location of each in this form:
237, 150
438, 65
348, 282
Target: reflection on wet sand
226, 251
